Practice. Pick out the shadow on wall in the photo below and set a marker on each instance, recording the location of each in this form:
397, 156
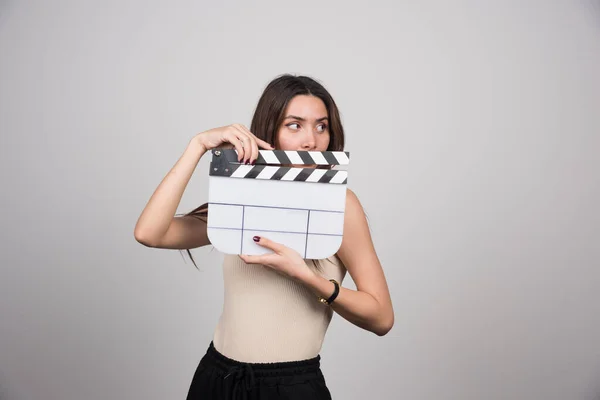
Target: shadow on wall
6, 7
5, 392
594, 8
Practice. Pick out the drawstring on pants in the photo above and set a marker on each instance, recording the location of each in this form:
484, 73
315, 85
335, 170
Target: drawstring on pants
244, 381
219, 377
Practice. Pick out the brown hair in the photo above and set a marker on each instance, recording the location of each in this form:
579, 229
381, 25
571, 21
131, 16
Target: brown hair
269, 115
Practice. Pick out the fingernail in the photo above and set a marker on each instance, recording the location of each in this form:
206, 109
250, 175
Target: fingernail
256, 238
253, 162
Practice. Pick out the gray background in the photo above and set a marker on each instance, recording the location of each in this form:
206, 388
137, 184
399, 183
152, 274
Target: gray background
479, 122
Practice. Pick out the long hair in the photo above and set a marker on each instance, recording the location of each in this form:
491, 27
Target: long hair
269, 115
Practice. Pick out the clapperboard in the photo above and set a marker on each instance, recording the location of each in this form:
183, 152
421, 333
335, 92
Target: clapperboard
300, 207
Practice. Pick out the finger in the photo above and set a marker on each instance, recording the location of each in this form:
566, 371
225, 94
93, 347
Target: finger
269, 244
251, 259
261, 143
263, 259
246, 142
253, 145
255, 142
264, 145
232, 137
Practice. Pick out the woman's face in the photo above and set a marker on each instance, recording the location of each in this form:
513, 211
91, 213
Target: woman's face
305, 125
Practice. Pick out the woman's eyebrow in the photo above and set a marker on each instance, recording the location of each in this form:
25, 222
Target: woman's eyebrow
303, 119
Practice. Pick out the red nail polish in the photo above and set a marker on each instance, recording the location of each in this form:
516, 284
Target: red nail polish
256, 238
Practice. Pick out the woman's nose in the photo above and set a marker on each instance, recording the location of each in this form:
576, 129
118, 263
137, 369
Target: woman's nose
310, 140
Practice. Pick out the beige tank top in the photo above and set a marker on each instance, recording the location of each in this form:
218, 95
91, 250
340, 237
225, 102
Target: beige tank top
268, 317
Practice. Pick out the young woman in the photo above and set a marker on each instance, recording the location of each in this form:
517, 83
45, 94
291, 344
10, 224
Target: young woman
278, 306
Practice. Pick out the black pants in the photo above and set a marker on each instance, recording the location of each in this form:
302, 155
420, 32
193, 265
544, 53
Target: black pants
219, 377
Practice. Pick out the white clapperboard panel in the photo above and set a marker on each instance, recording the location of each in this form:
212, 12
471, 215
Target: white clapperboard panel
302, 208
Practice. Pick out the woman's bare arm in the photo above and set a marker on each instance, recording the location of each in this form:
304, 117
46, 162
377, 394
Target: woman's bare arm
157, 226
370, 306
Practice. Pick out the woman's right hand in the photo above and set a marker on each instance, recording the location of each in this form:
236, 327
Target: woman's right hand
233, 136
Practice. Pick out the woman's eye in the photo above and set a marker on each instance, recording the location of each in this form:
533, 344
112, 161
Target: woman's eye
322, 128
293, 125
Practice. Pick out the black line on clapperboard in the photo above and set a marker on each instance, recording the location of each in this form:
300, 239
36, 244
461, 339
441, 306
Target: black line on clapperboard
282, 208
306, 158
303, 175
281, 171
306, 239
283, 158
242, 235
330, 158
272, 231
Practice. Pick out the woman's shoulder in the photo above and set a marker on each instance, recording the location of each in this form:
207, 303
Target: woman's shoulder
354, 208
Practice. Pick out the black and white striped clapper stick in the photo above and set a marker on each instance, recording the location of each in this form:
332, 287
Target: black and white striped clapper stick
277, 165
292, 197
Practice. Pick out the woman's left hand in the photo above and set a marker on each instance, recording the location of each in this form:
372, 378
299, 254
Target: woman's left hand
283, 259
